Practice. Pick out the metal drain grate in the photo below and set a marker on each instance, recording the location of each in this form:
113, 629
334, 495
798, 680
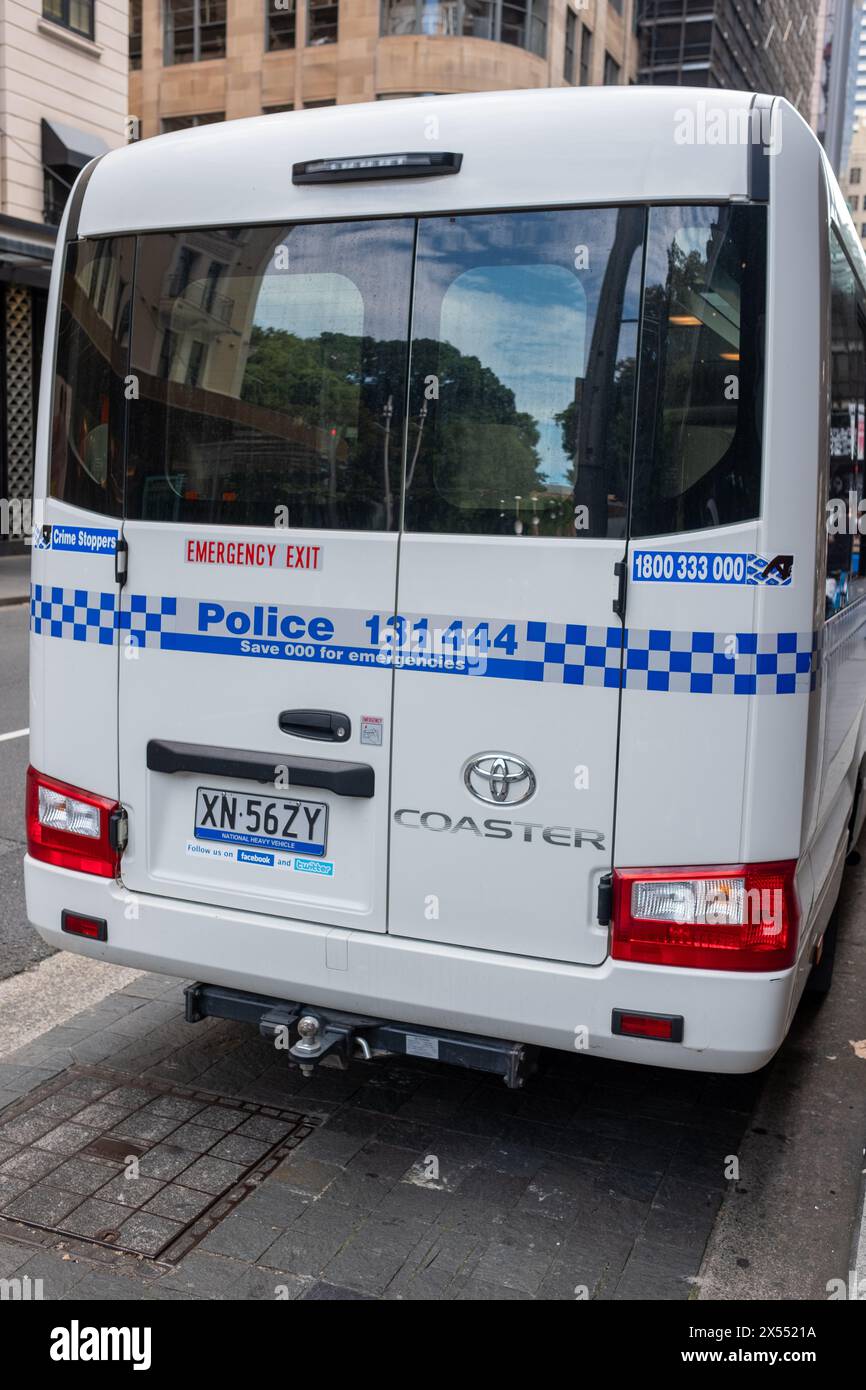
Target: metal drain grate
196, 1156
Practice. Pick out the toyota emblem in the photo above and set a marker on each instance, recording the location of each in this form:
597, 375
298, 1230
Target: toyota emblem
500, 779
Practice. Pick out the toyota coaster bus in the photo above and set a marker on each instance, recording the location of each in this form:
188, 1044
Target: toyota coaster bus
430, 646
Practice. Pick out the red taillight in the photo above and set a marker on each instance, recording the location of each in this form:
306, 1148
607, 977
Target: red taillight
70, 827
726, 917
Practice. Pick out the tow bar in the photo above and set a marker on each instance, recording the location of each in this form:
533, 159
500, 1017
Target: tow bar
309, 1034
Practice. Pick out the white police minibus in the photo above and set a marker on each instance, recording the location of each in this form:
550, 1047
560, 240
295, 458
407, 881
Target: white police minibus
437, 643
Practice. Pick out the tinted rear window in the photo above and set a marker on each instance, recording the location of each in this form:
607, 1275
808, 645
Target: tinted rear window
271, 366
523, 366
564, 367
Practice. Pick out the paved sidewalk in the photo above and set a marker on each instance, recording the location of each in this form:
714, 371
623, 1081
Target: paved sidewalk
416, 1181
14, 579
54, 991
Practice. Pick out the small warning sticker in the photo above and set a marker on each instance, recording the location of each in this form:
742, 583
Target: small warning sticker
371, 730
420, 1045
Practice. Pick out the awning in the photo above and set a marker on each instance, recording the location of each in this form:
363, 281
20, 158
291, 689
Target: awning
65, 147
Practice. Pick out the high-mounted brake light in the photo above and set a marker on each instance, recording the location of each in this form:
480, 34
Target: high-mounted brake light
355, 168
71, 828
727, 917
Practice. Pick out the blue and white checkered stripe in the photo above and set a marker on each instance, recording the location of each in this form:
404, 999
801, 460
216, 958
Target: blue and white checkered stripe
80, 615
716, 663
689, 663
655, 659
141, 622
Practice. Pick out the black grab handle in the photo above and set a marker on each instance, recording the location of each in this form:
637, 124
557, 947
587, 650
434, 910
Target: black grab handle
345, 779
326, 724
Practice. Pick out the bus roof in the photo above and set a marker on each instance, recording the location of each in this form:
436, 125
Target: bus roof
539, 147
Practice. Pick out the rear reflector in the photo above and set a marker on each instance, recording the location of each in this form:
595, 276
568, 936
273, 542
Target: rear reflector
664, 1027
70, 827
727, 917
93, 928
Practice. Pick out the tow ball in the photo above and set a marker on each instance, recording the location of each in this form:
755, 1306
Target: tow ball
317, 1036
317, 1040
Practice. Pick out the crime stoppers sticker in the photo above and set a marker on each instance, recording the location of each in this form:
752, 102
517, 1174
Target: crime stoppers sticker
79, 540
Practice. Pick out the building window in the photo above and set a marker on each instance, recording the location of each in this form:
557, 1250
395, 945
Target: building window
586, 58
170, 123
280, 27
854, 175
616, 5
568, 70
322, 19
611, 71
194, 30
135, 35
854, 202
76, 15
525, 25
56, 187
327, 101
863, 229
522, 23
275, 110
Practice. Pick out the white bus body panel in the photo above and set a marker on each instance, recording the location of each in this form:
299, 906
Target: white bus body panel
520, 149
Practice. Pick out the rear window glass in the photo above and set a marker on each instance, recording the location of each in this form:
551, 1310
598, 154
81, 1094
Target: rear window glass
564, 367
89, 394
698, 438
271, 367
523, 363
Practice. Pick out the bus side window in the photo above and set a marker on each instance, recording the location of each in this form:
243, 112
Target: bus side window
847, 410
700, 408
88, 413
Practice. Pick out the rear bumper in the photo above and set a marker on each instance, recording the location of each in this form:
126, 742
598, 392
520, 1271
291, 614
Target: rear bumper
733, 1022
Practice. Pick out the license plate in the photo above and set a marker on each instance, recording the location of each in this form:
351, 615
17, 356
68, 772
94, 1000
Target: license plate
290, 825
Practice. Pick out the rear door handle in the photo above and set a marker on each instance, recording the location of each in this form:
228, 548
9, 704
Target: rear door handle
326, 724
344, 779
